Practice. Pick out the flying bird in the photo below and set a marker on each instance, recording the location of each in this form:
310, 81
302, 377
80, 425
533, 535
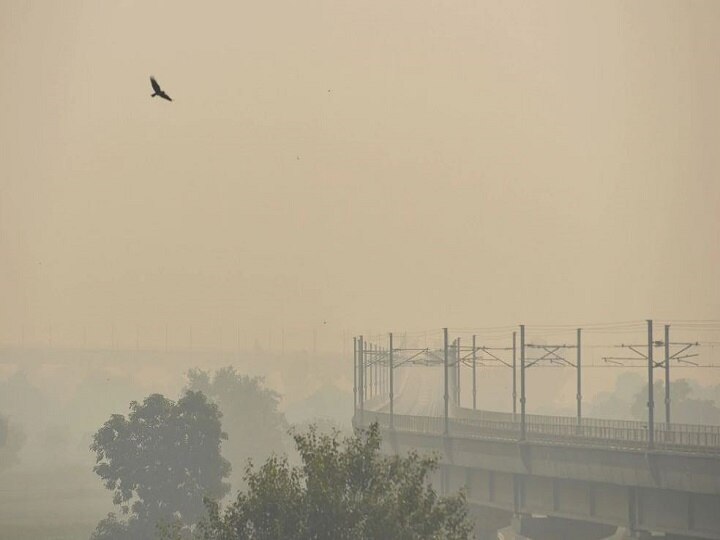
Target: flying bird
157, 90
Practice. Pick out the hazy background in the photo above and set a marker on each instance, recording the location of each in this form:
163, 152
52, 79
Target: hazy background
461, 163
328, 169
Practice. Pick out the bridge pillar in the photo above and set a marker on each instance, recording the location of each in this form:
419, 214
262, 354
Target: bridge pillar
525, 527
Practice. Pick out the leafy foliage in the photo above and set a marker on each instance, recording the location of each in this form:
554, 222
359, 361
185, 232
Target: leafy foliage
160, 461
251, 418
686, 408
343, 490
111, 528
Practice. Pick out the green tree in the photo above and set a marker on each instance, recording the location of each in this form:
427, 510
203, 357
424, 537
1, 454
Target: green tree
160, 461
251, 418
343, 490
685, 407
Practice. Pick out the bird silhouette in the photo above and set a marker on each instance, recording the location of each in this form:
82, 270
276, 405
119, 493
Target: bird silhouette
157, 90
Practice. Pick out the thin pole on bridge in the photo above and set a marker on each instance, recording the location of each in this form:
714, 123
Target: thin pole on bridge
363, 369
514, 378
370, 349
383, 375
373, 371
457, 376
445, 370
667, 375
378, 370
651, 401
382, 372
474, 376
355, 372
361, 377
376, 376
578, 367
368, 370
392, 393
522, 383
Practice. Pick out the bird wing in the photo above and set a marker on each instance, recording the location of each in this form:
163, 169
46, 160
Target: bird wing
164, 95
155, 85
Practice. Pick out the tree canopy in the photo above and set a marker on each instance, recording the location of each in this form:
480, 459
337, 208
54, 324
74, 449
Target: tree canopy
251, 418
342, 490
686, 407
160, 462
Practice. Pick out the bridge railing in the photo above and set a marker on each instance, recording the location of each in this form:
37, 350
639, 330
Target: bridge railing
572, 421
613, 431
593, 431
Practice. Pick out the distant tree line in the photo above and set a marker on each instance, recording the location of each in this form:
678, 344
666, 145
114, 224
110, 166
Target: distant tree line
691, 403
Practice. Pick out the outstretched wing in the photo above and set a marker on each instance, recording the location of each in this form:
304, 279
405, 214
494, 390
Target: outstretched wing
164, 95
155, 85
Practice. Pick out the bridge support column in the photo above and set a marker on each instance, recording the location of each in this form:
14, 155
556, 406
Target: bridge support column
525, 527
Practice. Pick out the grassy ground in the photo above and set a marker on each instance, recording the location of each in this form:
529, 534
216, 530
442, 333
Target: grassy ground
63, 503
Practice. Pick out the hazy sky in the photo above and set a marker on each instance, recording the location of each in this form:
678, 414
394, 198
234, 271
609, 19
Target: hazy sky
376, 165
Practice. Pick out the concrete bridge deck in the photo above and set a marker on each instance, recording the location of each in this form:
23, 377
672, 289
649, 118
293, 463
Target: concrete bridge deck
599, 473
586, 475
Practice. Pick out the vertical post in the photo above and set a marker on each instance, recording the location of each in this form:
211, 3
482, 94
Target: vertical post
376, 360
392, 394
378, 374
386, 373
378, 369
366, 375
474, 362
445, 370
667, 376
373, 371
514, 376
383, 375
578, 366
457, 371
651, 399
355, 373
361, 379
522, 383
371, 348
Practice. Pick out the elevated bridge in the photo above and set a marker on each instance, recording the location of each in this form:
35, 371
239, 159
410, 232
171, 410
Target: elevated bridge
552, 474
